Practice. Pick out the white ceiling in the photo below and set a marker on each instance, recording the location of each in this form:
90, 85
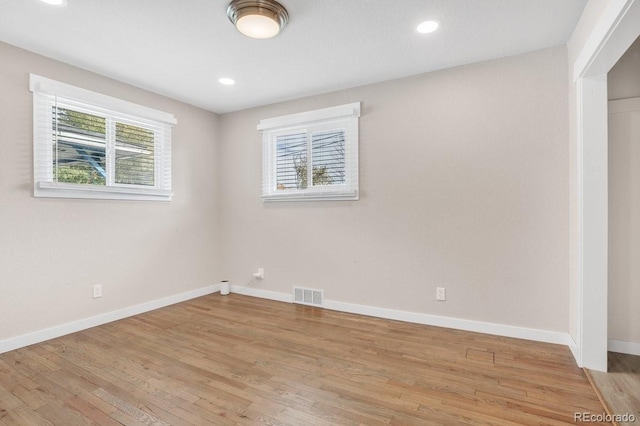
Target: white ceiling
179, 48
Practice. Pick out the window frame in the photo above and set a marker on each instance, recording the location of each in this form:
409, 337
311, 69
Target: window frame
48, 93
334, 118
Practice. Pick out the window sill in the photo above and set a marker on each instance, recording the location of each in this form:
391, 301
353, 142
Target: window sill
70, 190
312, 196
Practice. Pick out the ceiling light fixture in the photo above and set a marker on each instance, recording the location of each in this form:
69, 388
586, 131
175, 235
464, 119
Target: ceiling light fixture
427, 27
55, 2
227, 81
258, 18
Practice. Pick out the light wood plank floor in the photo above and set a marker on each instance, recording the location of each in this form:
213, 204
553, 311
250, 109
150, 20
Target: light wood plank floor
620, 387
240, 360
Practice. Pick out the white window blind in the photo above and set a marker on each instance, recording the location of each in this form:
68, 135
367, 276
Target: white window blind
79, 141
328, 153
88, 145
291, 161
312, 155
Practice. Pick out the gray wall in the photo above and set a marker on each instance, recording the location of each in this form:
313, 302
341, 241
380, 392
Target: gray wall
52, 251
464, 184
463, 178
623, 81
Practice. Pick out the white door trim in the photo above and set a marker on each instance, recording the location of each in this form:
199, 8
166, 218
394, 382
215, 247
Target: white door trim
616, 30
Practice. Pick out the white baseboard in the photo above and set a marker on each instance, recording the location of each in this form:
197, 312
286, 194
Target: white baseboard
434, 320
623, 347
12, 343
413, 317
573, 347
262, 294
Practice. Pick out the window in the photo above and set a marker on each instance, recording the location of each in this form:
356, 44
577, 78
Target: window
89, 145
311, 155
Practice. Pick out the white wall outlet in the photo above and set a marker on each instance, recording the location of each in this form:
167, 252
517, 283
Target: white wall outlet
441, 293
259, 274
97, 291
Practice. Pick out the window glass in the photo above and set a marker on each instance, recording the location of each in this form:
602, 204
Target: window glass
311, 155
135, 155
79, 147
89, 145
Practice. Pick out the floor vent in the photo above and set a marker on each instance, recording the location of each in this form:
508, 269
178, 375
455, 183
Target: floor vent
308, 296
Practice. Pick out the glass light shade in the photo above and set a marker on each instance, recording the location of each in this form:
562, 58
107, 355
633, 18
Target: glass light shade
258, 26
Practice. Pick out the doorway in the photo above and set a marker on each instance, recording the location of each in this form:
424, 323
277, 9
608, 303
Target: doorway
615, 32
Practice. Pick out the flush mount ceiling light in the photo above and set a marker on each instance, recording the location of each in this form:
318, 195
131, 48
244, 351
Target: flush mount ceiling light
226, 81
258, 18
55, 2
428, 27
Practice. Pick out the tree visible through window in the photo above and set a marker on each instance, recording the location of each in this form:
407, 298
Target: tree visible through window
312, 155
79, 147
327, 152
89, 145
327, 160
134, 155
80, 150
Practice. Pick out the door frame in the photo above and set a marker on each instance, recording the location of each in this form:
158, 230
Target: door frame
616, 30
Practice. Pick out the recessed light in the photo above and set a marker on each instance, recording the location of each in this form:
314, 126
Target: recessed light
55, 2
428, 27
227, 81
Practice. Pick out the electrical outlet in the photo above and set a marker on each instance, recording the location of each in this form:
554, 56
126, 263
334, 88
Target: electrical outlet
441, 293
97, 291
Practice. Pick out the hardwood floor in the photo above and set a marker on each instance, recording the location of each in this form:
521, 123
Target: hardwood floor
240, 360
620, 387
